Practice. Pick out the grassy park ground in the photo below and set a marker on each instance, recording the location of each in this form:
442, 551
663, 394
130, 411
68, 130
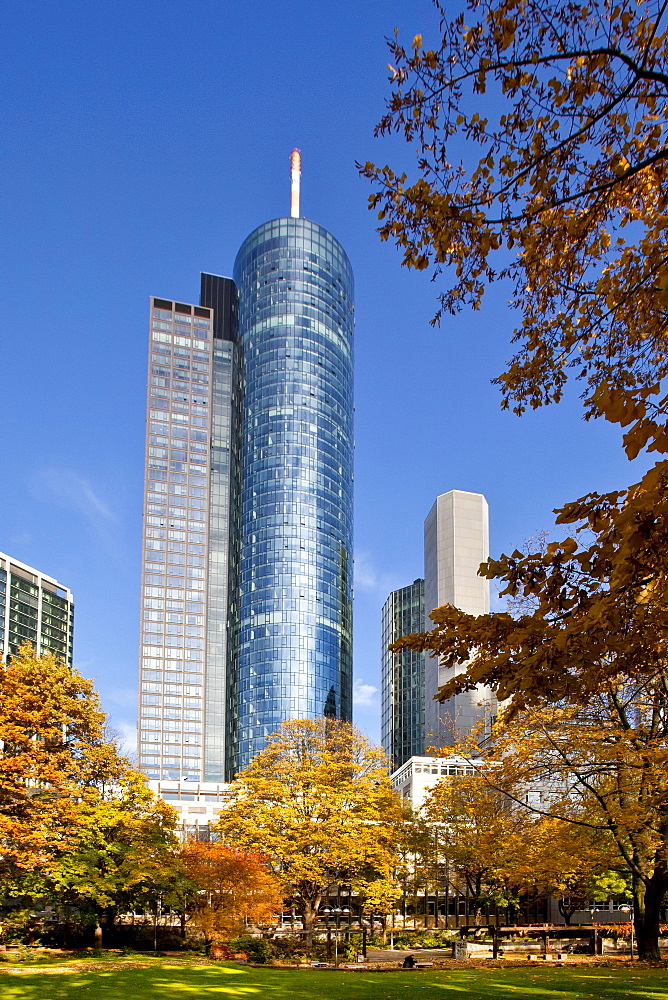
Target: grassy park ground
179, 979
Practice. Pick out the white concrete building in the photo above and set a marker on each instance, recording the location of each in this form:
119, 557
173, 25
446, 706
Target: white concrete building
197, 803
415, 779
456, 541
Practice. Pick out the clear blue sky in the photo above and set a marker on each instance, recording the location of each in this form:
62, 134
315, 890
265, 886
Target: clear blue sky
143, 140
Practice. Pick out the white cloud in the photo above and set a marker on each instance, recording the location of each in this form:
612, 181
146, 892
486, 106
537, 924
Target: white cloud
74, 492
364, 695
366, 576
369, 578
127, 737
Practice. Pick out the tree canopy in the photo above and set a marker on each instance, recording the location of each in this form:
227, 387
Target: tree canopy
51, 743
602, 766
231, 887
596, 606
318, 804
540, 131
78, 824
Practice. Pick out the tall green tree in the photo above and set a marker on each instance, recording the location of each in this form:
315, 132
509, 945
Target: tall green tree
122, 852
78, 825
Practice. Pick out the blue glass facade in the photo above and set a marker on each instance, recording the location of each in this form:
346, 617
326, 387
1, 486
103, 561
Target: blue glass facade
292, 642
402, 676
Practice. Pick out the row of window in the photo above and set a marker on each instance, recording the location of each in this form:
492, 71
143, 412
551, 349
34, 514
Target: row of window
198, 321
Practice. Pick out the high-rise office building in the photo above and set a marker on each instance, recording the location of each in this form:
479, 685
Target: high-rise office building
34, 608
246, 585
402, 676
456, 542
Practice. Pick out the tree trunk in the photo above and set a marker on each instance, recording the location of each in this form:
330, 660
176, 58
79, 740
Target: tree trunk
567, 911
647, 899
309, 913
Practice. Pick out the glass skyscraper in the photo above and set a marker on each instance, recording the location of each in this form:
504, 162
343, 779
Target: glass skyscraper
246, 587
456, 542
402, 676
293, 643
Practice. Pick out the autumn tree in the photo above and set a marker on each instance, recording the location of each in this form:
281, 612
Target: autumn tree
318, 804
231, 888
380, 898
540, 131
122, 851
601, 767
78, 825
587, 610
482, 836
592, 642
541, 137
51, 735
575, 863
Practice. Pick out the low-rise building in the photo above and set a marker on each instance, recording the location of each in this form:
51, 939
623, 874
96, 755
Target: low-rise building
415, 779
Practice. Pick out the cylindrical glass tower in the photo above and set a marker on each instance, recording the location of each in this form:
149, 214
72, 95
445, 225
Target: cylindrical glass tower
293, 641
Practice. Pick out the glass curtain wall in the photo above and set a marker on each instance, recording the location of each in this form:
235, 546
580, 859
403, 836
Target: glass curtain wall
402, 676
34, 608
293, 643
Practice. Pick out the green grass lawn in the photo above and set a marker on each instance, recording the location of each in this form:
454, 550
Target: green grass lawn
173, 979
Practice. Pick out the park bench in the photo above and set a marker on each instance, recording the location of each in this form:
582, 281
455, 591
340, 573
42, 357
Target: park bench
354, 965
424, 965
319, 965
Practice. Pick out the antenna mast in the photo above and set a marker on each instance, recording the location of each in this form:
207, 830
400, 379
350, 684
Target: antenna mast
295, 174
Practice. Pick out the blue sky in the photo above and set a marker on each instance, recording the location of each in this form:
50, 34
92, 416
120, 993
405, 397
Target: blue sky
142, 142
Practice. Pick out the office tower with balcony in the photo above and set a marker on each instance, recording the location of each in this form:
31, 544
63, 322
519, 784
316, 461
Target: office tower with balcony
246, 586
34, 608
402, 676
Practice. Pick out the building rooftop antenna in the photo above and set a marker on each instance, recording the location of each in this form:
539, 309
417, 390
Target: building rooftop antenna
295, 174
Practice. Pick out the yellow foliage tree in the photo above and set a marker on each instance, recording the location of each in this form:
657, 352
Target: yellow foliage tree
51, 744
78, 825
318, 804
482, 834
601, 767
572, 862
541, 136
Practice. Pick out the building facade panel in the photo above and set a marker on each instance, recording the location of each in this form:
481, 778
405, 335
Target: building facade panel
247, 541
175, 541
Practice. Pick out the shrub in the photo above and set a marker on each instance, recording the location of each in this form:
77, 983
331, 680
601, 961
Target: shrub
257, 949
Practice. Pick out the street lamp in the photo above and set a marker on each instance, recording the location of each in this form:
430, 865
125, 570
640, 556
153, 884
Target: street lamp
336, 912
629, 909
326, 910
